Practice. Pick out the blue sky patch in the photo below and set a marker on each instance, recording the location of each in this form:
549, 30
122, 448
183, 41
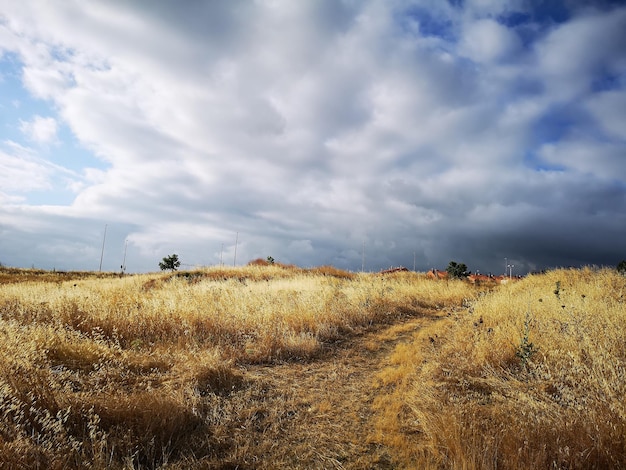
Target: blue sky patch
429, 24
18, 108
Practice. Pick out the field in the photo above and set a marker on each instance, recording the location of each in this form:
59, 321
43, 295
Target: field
279, 367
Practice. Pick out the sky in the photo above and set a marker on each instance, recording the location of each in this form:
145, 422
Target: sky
362, 134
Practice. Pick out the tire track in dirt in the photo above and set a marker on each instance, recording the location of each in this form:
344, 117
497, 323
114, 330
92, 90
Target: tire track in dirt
319, 414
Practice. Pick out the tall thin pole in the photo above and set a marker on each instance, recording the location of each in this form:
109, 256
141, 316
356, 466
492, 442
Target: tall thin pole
103, 240
221, 253
124, 262
236, 242
363, 258
413, 261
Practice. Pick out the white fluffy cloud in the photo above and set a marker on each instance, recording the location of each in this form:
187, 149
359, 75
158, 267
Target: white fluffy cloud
21, 173
42, 130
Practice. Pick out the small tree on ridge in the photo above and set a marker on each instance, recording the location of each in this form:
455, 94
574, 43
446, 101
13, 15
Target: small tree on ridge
170, 262
457, 270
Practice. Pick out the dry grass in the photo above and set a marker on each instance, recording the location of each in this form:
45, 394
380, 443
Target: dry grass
253, 367
130, 372
10, 275
533, 377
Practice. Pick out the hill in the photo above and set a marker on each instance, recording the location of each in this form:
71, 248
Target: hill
278, 367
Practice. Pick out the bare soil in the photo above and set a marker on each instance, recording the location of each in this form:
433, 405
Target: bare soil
315, 415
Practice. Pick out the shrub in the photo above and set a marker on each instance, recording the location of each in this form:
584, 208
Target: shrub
170, 263
457, 270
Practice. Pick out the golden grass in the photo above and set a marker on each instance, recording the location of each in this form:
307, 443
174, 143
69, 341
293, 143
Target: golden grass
120, 371
10, 275
533, 376
176, 370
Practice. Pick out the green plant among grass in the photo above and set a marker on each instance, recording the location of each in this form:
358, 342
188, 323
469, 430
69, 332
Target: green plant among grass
526, 349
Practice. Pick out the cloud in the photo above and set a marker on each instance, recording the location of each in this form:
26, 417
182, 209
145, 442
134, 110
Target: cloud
21, 172
42, 130
602, 160
583, 53
310, 130
608, 110
487, 41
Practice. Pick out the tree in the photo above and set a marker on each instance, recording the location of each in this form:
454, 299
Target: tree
621, 267
170, 262
457, 270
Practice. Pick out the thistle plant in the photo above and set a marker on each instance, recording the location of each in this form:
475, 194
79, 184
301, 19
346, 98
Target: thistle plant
526, 348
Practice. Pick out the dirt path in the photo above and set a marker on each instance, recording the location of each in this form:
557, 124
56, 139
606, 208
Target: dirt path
318, 414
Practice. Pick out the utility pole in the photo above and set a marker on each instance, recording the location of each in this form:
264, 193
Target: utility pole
221, 253
414, 261
124, 262
103, 240
236, 242
363, 258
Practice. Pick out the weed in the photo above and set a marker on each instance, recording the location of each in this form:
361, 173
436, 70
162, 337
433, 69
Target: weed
525, 349
557, 290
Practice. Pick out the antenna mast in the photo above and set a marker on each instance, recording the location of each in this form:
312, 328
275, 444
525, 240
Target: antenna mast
124, 262
363, 258
103, 240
